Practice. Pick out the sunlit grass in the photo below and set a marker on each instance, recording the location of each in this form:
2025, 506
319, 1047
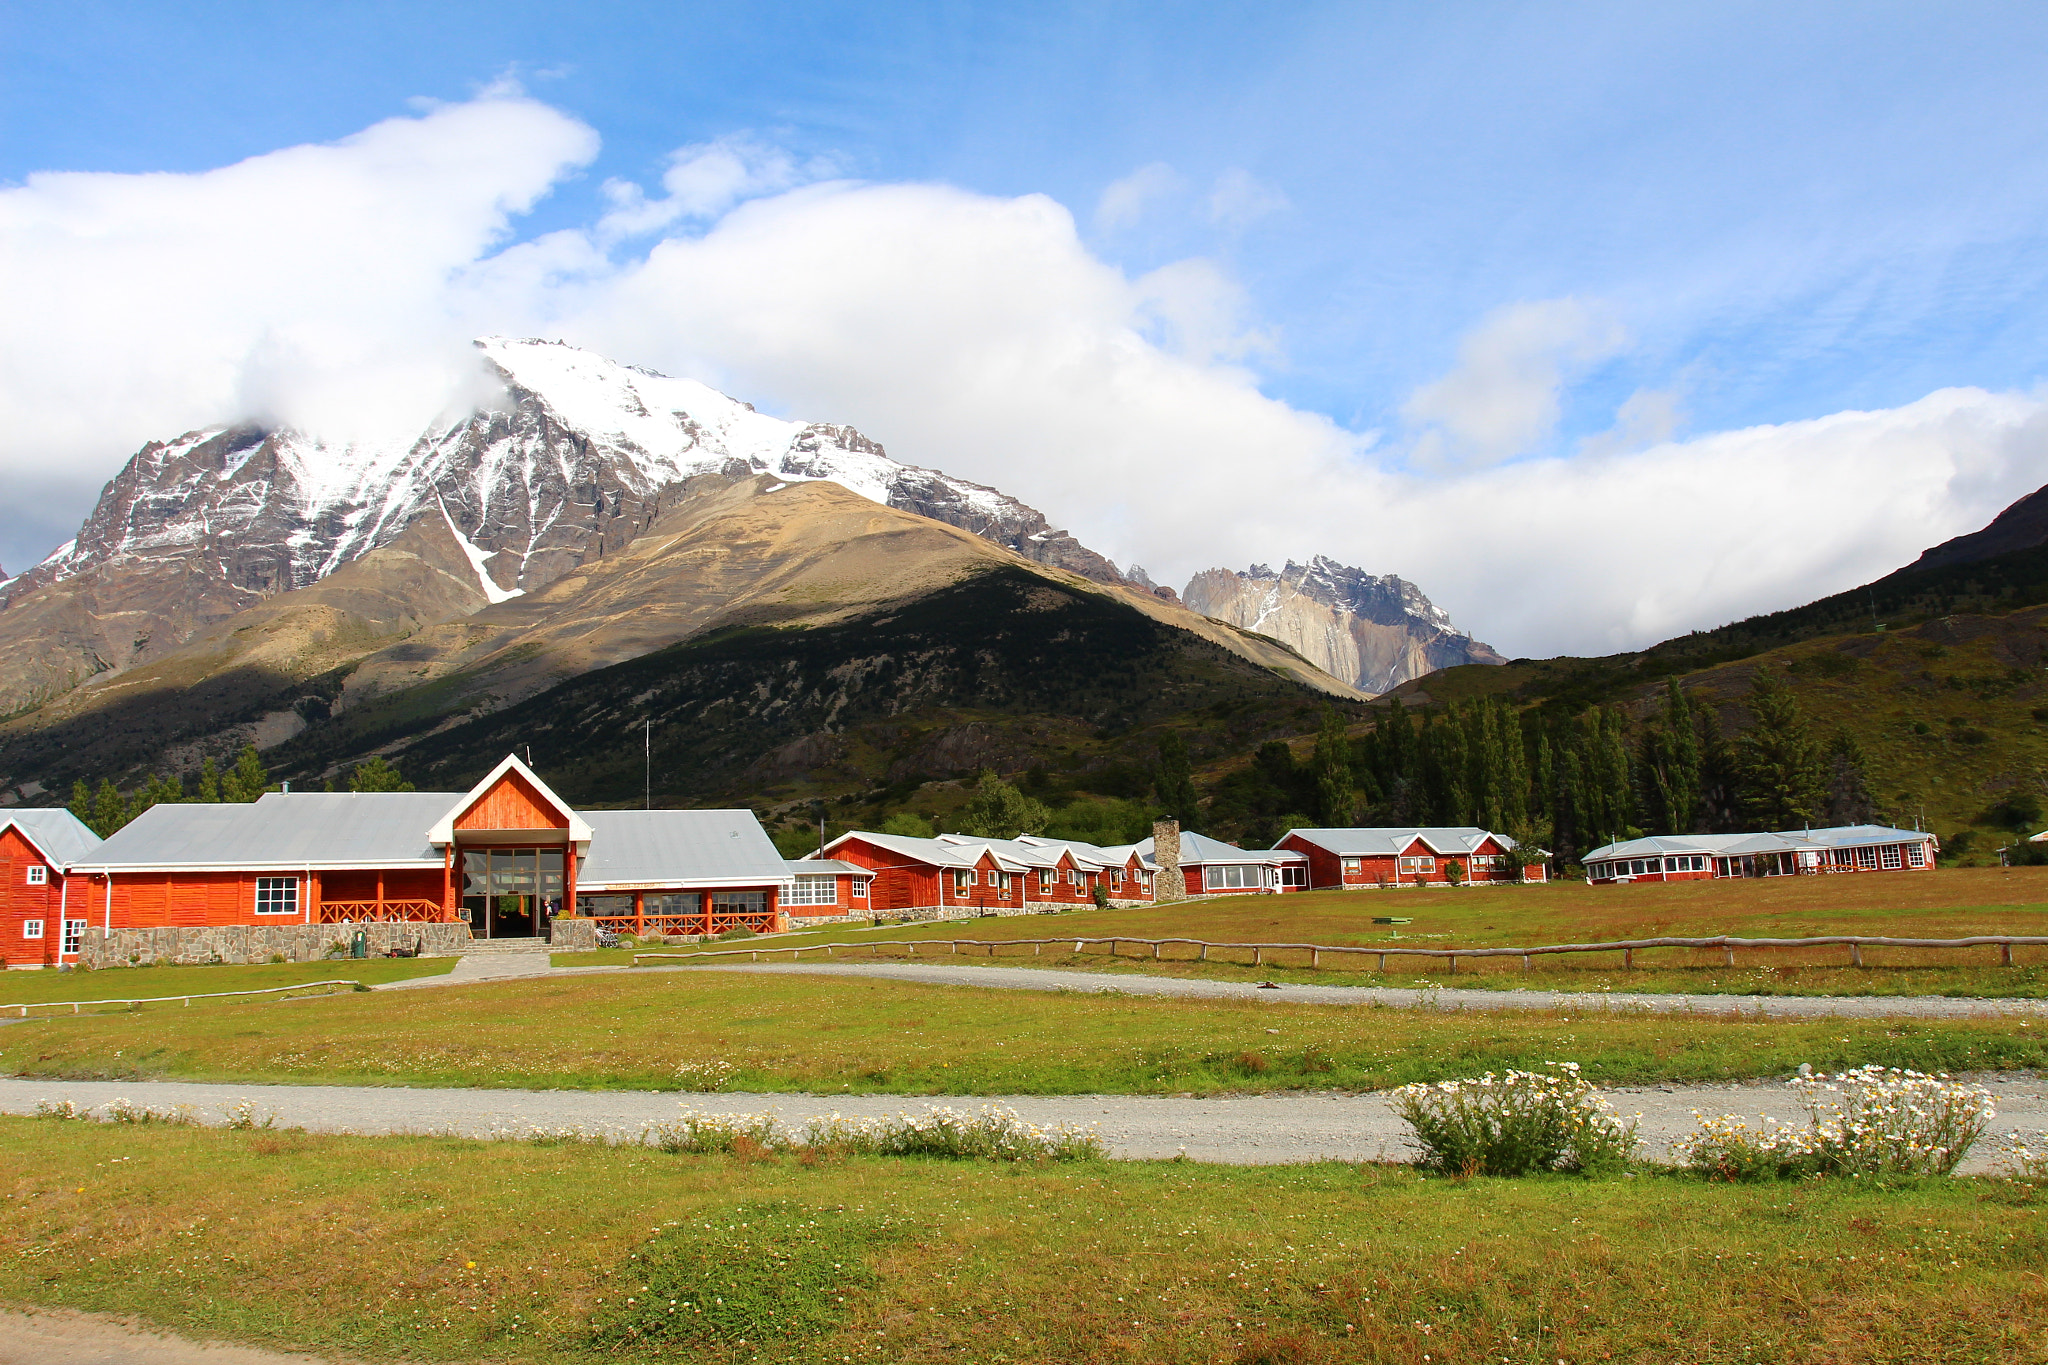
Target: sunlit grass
440, 1249
661, 1030
125, 983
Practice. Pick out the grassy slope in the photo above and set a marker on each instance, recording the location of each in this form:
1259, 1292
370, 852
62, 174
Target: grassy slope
1949, 903
149, 982
439, 1249
660, 1030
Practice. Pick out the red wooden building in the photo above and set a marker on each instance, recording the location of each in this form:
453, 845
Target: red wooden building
958, 876
37, 915
1355, 859
1210, 867
505, 859
1784, 853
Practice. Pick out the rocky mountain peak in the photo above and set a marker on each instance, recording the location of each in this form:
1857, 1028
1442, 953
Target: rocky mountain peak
1373, 631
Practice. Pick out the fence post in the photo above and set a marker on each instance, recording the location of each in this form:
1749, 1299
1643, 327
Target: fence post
1525, 961
1383, 961
1258, 954
1205, 951
1315, 957
1155, 950
1628, 959
1856, 955
2004, 957
956, 947
1454, 963
1727, 956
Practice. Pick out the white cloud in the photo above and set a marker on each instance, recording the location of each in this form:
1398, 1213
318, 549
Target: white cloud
974, 333
1239, 199
1502, 399
1124, 202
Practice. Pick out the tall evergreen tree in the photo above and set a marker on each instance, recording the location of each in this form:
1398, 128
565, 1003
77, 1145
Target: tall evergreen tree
1175, 783
209, 782
1848, 800
247, 779
999, 811
1780, 766
1336, 797
373, 774
110, 810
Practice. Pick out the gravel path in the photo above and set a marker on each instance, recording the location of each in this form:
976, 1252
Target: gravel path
1239, 1130
57, 1336
1767, 1006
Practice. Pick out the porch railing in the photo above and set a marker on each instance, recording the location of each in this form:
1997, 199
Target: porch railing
381, 912
760, 922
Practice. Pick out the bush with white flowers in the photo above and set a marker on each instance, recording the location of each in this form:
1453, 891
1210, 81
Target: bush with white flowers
1515, 1124
1872, 1120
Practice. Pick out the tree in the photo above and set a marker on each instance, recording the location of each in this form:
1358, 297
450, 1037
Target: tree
209, 782
1175, 781
1848, 800
1781, 772
1335, 796
999, 811
373, 774
1671, 766
247, 779
908, 825
110, 809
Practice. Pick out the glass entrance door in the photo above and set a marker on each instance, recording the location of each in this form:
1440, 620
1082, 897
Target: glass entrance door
511, 892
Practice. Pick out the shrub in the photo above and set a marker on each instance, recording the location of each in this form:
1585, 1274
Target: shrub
704, 1077
705, 1133
2024, 1157
992, 1133
738, 931
1516, 1124
1873, 1120
61, 1109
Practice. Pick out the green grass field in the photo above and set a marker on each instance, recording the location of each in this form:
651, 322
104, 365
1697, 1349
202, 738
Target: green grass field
122, 983
665, 1030
1950, 903
442, 1249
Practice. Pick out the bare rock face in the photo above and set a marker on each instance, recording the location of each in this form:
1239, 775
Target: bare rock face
576, 458
1374, 632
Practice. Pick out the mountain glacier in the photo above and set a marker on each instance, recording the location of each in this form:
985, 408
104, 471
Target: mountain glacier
1373, 631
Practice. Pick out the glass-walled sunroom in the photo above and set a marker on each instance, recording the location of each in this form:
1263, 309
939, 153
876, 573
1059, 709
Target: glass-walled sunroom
511, 892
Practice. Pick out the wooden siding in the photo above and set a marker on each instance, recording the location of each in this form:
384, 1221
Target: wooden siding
512, 803
21, 902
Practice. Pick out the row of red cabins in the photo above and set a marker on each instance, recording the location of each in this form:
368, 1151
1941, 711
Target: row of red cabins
293, 874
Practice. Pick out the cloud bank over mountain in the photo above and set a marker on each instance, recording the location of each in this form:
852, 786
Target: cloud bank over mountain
336, 287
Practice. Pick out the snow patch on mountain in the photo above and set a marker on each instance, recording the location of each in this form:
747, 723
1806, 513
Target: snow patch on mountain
477, 555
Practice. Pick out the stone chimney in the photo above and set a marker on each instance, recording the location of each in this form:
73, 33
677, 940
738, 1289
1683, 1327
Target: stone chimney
1169, 884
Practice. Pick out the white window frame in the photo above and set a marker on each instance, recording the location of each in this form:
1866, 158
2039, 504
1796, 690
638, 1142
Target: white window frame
31, 928
813, 889
1916, 855
963, 878
1293, 874
1418, 864
1866, 858
1234, 877
859, 888
1116, 878
1352, 865
1073, 876
73, 941
1891, 858
268, 901
38, 875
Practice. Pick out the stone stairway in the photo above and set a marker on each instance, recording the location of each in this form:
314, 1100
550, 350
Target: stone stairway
494, 957
505, 945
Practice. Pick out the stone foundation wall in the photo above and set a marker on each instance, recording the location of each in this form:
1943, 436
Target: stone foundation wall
921, 914
566, 935
247, 943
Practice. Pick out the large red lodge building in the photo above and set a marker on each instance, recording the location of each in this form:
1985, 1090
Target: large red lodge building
959, 876
1786, 853
1354, 859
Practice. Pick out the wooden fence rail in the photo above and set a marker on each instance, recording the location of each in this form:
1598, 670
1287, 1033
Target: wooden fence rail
1628, 948
166, 999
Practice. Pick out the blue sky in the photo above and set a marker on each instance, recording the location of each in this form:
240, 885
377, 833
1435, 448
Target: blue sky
1762, 214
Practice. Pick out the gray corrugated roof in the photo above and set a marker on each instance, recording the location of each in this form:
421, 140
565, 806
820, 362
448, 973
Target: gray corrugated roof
699, 847
1356, 843
818, 867
1200, 848
62, 836
283, 830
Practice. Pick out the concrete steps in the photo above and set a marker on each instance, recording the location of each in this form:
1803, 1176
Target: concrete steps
506, 945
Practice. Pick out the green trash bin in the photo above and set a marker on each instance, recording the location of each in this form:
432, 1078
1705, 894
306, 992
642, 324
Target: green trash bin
359, 946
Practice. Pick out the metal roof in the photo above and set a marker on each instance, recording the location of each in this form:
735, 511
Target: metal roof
1757, 841
1200, 849
61, 837
1357, 843
676, 847
1025, 853
280, 830
818, 867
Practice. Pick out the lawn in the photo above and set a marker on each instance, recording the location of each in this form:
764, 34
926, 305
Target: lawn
738, 1032
124, 983
442, 1249
1949, 903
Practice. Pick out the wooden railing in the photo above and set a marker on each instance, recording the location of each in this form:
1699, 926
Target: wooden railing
1628, 948
381, 912
74, 1005
720, 922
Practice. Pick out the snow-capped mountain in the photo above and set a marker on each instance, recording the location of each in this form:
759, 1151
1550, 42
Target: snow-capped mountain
577, 457
573, 461
1373, 631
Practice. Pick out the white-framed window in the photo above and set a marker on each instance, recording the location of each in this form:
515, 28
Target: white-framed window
964, 879
813, 891
1073, 876
1116, 878
1046, 877
74, 936
1890, 858
1866, 858
1233, 877
1293, 874
277, 895
1487, 860
31, 928
1351, 866
38, 875
1916, 855
860, 888
1001, 882
1414, 865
